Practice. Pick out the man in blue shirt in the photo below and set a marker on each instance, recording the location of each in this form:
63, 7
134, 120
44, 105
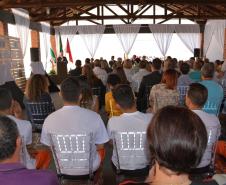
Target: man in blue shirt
215, 91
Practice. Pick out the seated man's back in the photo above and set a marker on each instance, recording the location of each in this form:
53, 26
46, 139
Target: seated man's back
212, 124
130, 121
73, 119
215, 91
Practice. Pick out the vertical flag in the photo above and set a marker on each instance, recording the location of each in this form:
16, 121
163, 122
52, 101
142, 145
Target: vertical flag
53, 58
60, 43
68, 50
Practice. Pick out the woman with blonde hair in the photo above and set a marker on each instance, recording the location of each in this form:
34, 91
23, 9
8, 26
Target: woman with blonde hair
38, 102
39, 105
37, 88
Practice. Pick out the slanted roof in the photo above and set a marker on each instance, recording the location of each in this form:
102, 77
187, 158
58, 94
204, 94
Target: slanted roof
61, 11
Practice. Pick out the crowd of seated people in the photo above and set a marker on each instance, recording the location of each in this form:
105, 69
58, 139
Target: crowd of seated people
146, 114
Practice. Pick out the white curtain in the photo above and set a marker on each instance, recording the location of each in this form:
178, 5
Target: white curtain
219, 33
127, 35
189, 35
91, 36
45, 46
208, 35
22, 23
214, 39
163, 34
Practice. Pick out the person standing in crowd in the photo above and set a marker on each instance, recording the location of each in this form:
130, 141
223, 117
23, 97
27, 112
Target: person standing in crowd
12, 172
62, 58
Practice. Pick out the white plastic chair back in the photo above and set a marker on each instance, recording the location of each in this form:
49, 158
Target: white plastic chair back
209, 154
23, 151
131, 150
73, 153
182, 94
212, 107
38, 111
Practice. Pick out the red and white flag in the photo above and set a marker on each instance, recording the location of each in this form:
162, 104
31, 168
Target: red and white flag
68, 50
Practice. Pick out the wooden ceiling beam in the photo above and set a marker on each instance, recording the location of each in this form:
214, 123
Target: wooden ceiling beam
142, 11
171, 15
193, 17
69, 3
114, 13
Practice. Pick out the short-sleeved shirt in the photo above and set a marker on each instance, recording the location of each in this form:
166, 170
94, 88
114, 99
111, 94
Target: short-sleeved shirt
160, 97
17, 174
184, 80
25, 131
212, 125
75, 119
128, 122
195, 76
215, 91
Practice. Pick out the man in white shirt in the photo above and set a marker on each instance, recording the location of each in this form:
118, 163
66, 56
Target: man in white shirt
71, 118
130, 121
100, 73
8, 106
137, 77
195, 99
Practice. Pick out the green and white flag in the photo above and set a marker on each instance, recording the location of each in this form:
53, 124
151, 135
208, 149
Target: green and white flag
53, 57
